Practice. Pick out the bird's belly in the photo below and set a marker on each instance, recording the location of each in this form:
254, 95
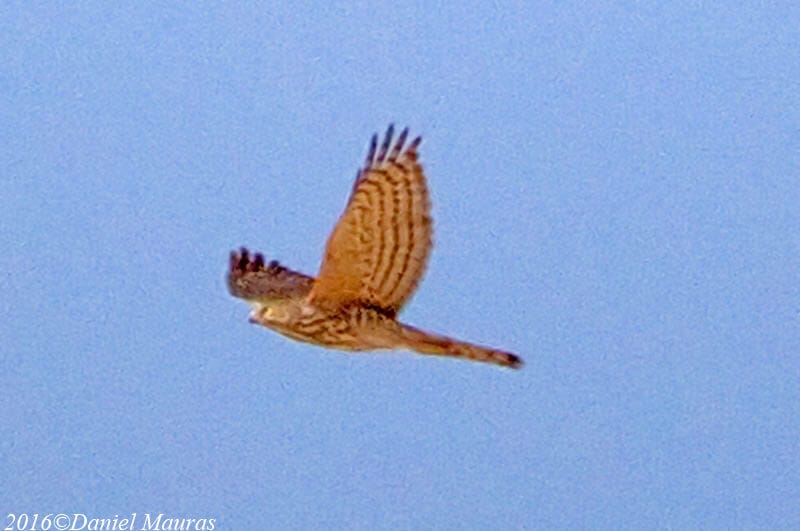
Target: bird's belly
331, 332
354, 329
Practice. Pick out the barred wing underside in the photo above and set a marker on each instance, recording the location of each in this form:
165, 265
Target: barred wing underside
379, 249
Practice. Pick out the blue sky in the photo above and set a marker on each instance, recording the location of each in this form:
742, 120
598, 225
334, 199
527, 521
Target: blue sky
616, 193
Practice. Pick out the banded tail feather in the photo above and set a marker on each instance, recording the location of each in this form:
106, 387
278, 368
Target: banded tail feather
427, 343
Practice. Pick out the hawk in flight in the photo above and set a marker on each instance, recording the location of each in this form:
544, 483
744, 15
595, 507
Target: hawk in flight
373, 262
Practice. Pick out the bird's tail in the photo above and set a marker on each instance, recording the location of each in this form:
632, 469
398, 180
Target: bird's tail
427, 343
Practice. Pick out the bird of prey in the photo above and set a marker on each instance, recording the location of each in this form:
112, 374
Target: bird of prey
373, 262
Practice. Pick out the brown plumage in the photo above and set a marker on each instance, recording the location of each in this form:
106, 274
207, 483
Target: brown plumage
373, 263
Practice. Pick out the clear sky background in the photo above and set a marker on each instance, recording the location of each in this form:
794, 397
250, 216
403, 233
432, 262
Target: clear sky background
616, 193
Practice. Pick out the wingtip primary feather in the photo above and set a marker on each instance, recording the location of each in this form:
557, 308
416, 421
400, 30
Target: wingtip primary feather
398, 145
388, 150
412, 147
242, 261
373, 145
387, 141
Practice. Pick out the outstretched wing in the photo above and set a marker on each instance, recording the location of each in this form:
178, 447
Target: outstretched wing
379, 248
251, 279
